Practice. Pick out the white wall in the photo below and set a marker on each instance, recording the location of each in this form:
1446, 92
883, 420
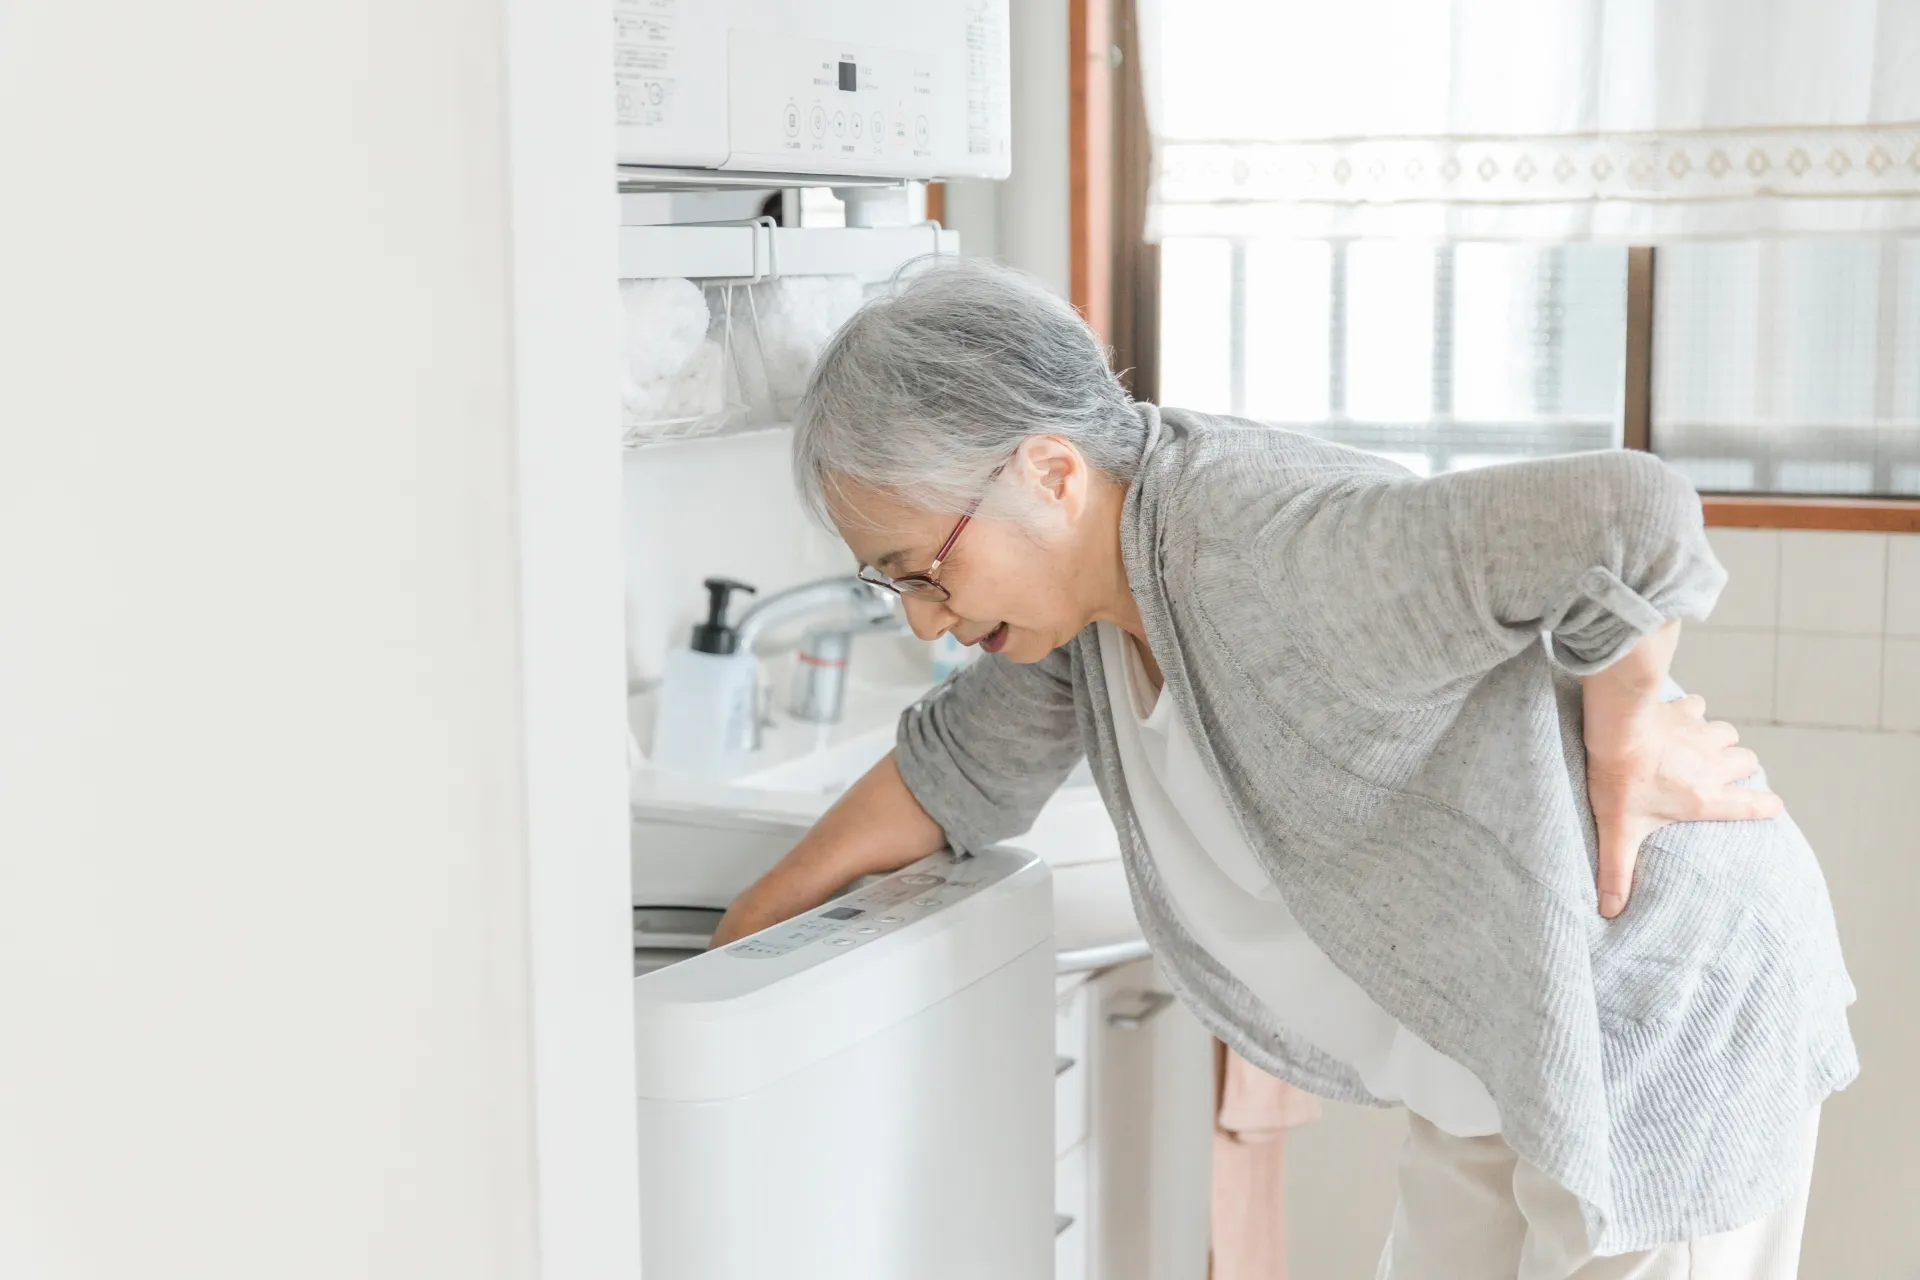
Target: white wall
722, 507
1026, 221
1854, 794
567, 489
1033, 224
1815, 629
269, 786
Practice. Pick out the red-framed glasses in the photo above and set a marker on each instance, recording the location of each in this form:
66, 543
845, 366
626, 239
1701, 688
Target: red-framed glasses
926, 584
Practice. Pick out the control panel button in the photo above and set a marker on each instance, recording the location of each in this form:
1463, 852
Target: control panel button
839, 124
926, 902
791, 119
819, 119
856, 126
839, 942
922, 878
866, 928
879, 128
921, 133
890, 919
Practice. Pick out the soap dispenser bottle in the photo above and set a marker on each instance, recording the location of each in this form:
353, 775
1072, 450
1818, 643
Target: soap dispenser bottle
709, 694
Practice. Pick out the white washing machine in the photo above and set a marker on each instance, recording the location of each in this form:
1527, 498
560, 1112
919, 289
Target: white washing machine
862, 1093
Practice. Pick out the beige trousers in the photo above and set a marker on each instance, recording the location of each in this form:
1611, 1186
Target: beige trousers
1470, 1209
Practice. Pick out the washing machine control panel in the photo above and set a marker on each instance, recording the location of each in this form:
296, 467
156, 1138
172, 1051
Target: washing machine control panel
877, 910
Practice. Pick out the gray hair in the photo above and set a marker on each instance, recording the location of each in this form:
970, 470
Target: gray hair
928, 390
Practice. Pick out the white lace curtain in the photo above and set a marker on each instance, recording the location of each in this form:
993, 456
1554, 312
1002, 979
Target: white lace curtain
1621, 120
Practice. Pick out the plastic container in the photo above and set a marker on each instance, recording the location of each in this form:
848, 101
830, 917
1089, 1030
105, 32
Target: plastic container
708, 695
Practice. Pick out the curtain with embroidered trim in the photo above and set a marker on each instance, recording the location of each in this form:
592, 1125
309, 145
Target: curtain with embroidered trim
1641, 121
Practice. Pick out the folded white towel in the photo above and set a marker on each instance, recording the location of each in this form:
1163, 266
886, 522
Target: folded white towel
696, 389
797, 314
666, 322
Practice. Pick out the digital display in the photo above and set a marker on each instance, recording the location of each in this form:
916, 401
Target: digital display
847, 77
842, 913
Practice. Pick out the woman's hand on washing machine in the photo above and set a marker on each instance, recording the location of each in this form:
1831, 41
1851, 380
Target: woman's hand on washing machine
875, 828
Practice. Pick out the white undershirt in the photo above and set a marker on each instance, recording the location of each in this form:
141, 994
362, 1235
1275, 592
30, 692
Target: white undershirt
1223, 897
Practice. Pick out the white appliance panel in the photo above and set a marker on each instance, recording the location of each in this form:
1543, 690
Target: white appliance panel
856, 88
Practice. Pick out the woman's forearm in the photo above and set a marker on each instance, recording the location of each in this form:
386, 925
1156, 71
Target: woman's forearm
1639, 674
876, 827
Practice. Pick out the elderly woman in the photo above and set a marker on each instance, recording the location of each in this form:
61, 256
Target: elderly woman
1382, 752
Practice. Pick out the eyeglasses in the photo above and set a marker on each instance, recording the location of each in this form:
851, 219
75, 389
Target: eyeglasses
927, 585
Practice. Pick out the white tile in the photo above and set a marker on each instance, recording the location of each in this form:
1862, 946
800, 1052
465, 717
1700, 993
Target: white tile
1828, 680
1903, 584
1900, 699
1832, 583
1751, 558
1732, 670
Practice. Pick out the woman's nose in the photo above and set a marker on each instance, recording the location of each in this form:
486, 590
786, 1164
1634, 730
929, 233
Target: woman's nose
928, 618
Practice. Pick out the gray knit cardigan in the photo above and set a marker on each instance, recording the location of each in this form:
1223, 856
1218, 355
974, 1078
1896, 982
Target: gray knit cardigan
1381, 674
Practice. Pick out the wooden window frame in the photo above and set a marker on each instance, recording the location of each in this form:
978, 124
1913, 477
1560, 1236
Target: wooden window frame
1738, 510
1091, 148
1090, 160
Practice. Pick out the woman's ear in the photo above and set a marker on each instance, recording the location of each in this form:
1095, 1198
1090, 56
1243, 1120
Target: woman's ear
1055, 471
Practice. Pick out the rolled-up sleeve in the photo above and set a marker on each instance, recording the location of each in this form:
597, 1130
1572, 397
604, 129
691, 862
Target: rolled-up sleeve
985, 751
1406, 587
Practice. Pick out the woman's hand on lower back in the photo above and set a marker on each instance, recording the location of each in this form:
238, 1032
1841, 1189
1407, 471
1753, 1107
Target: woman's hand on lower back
1651, 763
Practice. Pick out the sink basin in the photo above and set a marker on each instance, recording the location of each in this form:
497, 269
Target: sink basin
831, 770
827, 771
698, 843
1072, 829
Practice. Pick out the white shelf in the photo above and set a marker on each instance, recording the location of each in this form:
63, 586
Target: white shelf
697, 253
759, 251
872, 253
647, 177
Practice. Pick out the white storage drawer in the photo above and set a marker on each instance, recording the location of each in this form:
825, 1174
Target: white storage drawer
1151, 1131
1070, 1044
1070, 1225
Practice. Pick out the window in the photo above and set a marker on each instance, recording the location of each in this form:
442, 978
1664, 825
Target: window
1439, 357
1790, 367
1779, 367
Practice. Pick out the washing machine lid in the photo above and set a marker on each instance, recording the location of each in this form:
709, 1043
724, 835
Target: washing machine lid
728, 1022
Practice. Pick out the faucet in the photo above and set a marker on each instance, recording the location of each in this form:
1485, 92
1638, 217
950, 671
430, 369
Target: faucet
850, 606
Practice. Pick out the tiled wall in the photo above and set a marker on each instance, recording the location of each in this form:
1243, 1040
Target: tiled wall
1815, 628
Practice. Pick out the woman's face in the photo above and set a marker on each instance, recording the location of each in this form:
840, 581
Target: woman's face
1016, 583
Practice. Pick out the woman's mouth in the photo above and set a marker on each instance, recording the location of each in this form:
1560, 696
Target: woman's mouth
995, 640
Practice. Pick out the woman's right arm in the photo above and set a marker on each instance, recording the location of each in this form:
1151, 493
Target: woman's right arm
1407, 590
975, 761
876, 827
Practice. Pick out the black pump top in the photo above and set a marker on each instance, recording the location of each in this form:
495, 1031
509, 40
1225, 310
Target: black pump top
714, 635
